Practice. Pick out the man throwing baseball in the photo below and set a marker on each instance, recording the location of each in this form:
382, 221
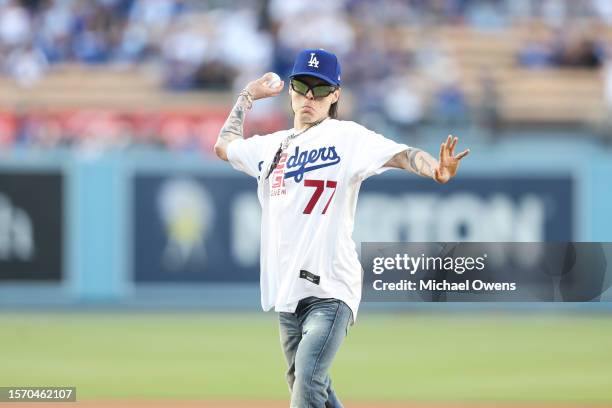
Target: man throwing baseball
308, 182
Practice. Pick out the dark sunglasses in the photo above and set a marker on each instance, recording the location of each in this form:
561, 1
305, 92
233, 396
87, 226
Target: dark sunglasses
318, 91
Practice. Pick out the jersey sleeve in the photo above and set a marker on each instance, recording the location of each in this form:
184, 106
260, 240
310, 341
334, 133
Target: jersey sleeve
247, 154
373, 151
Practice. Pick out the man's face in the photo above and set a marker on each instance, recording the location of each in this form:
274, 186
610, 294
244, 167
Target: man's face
310, 109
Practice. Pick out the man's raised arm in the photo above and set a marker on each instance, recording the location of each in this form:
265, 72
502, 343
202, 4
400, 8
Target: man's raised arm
422, 163
233, 127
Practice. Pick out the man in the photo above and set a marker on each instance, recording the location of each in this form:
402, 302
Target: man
308, 181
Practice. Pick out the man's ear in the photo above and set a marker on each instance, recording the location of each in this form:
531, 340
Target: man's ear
336, 95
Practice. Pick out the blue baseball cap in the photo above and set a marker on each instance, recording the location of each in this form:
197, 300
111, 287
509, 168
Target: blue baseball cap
318, 63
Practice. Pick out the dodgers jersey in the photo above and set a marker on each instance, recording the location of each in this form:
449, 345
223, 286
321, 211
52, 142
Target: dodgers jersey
308, 208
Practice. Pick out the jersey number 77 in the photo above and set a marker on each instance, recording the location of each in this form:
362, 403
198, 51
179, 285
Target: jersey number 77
320, 186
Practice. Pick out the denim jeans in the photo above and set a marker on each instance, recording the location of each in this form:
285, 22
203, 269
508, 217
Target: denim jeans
310, 338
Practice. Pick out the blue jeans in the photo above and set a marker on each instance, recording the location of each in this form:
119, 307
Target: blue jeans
310, 338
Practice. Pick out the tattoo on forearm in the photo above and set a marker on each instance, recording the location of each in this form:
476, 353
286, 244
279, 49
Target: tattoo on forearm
411, 154
420, 162
233, 127
425, 168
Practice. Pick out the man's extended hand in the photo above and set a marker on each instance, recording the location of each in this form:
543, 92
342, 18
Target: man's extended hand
448, 163
259, 88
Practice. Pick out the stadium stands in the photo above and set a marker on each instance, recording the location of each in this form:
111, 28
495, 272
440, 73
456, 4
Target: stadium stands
460, 64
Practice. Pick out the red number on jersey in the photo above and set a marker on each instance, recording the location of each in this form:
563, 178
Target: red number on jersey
319, 186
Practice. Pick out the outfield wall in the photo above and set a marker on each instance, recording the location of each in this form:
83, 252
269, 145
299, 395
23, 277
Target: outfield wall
145, 228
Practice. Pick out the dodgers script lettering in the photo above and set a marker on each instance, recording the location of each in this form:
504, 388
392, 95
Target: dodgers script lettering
309, 160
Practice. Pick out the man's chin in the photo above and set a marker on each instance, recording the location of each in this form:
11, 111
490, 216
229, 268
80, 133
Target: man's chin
309, 118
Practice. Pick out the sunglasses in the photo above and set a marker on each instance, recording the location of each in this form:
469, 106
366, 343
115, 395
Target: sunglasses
318, 91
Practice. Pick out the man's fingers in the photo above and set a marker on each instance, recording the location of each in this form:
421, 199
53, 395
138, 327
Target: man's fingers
447, 146
453, 144
265, 91
442, 152
462, 154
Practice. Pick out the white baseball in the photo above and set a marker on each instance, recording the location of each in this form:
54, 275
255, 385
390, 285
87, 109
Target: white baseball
274, 81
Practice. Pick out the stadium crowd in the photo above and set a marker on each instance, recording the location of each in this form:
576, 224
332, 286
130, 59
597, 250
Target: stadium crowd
223, 44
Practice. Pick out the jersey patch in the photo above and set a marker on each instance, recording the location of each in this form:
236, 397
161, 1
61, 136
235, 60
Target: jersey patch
277, 179
309, 276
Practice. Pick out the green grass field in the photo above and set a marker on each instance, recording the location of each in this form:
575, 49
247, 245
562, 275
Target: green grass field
408, 357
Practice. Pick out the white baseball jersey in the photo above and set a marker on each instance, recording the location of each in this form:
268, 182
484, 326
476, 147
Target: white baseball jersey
308, 208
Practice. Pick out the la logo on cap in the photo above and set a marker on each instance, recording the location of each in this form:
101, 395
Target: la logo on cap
314, 62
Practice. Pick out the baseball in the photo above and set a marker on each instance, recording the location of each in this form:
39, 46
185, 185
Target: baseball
274, 81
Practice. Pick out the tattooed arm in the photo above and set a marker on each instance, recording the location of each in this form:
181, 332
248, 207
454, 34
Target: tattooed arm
233, 127
415, 161
422, 163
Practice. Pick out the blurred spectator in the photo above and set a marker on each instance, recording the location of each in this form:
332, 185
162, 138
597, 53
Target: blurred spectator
184, 50
15, 30
554, 12
156, 15
293, 10
27, 65
576, 50
333, 32
403, 105
368, 59
435, 61
486, 14
386, 11
603, 9
535, 54
397, 64
566, 48
55, 22
449, 105
241, 46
